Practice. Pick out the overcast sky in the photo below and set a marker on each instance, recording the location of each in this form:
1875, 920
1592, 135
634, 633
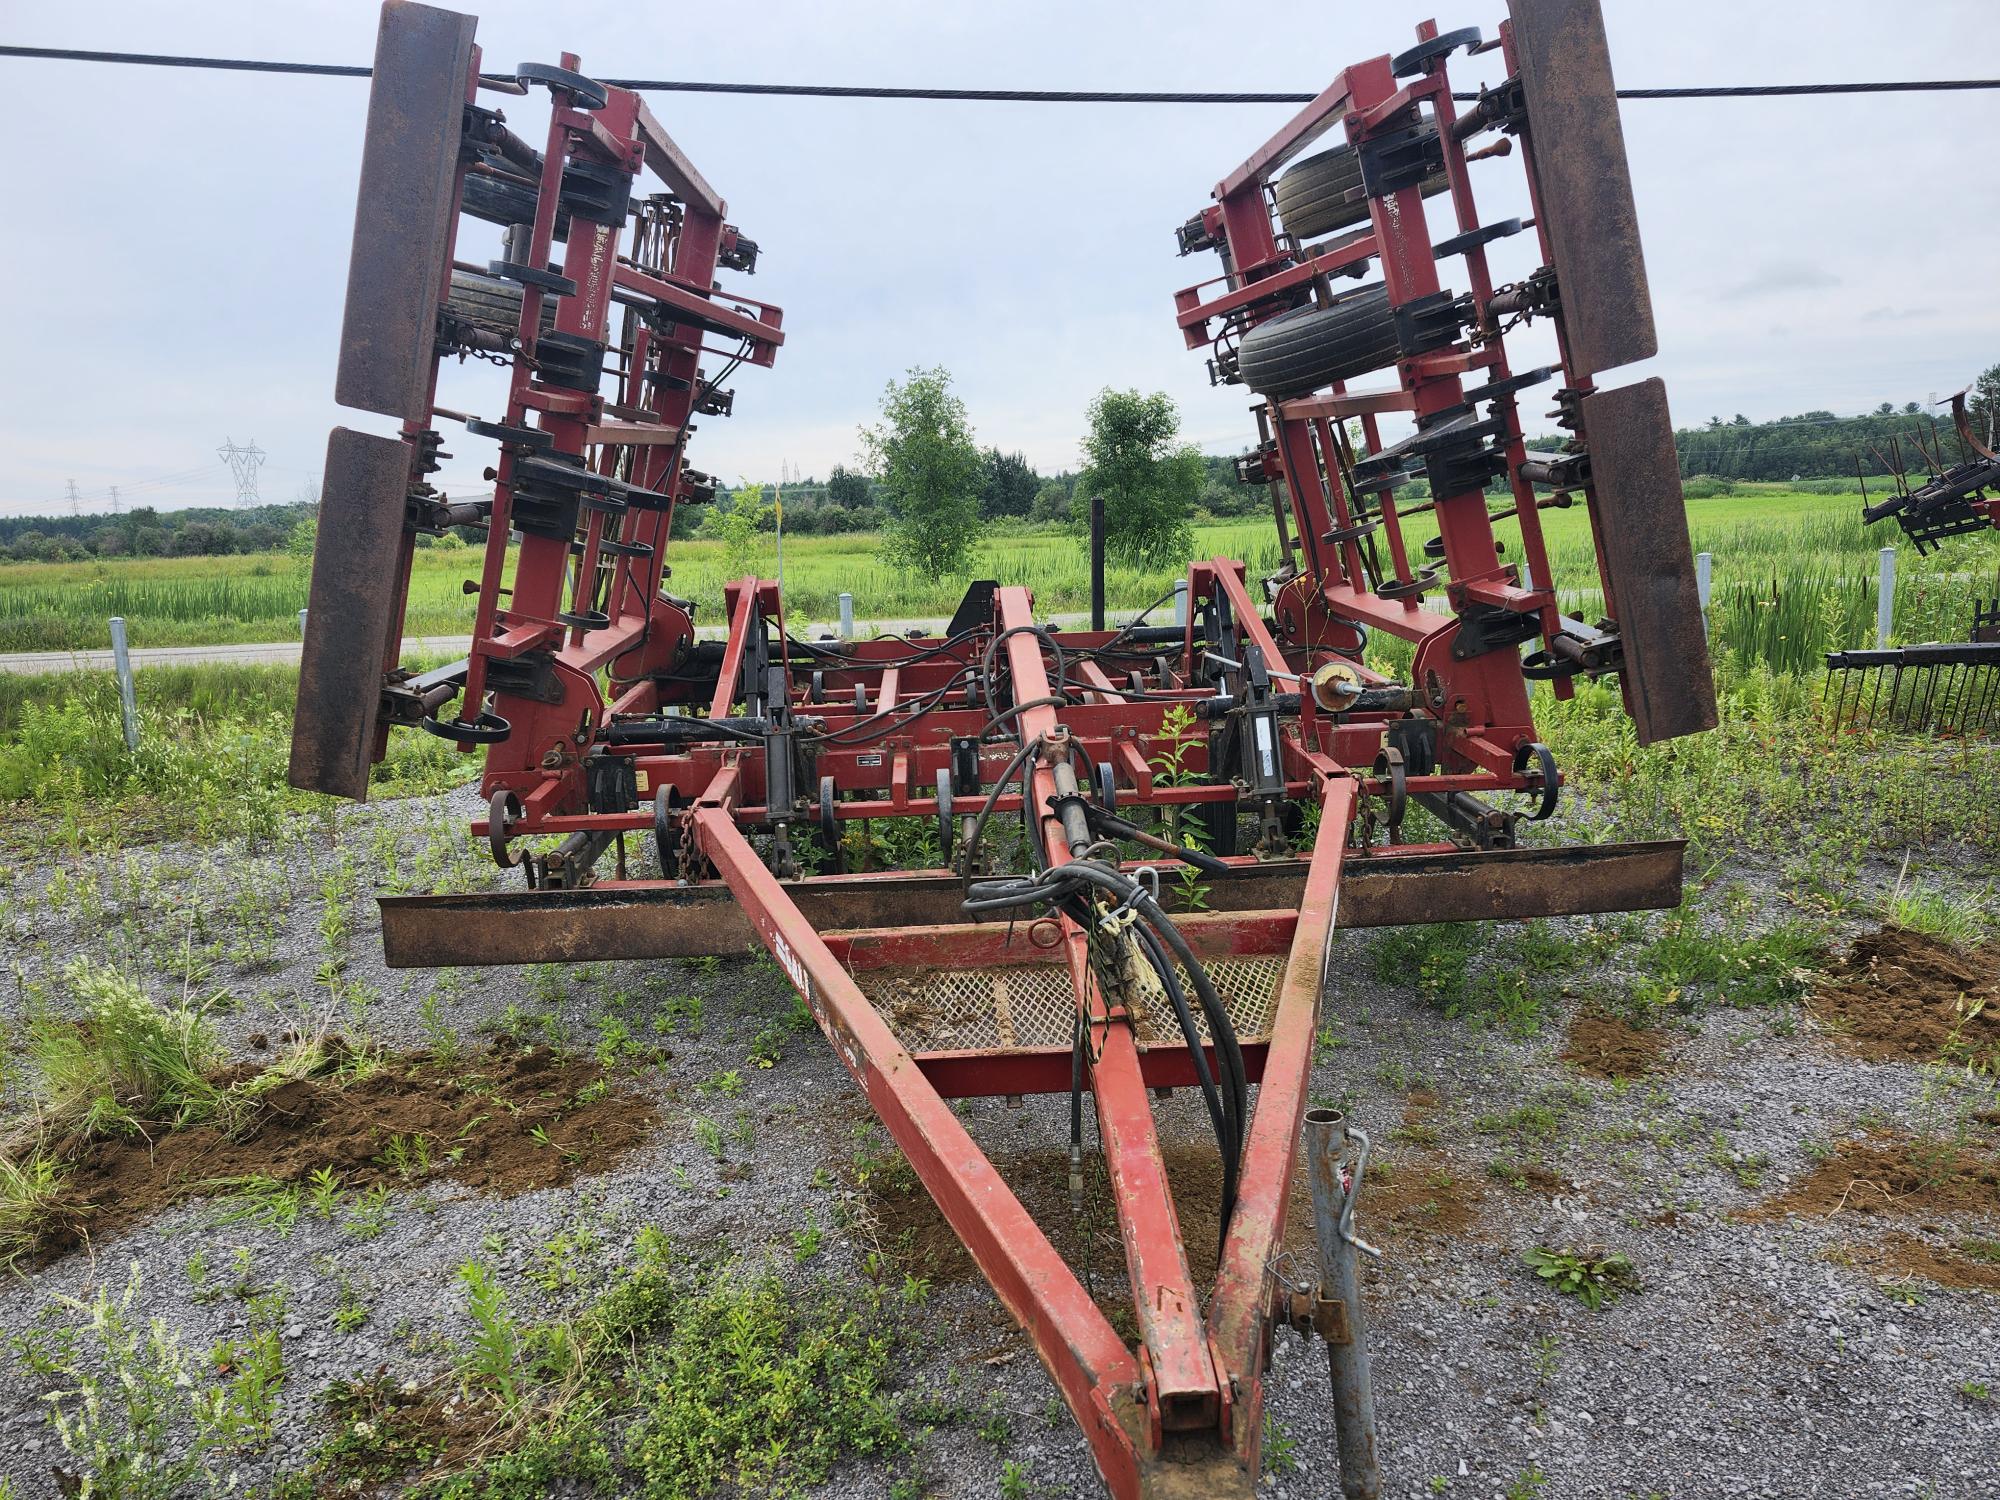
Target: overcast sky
175, 247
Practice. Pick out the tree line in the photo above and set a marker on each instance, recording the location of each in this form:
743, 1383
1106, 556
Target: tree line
922, 481
146, 532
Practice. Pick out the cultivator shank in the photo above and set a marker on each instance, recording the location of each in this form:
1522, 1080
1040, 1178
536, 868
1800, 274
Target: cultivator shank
1014, 859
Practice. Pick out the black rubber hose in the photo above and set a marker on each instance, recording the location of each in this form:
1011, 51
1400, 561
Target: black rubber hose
1117, 827
1011, 894
1219, 1026
978, 829
1228, 1131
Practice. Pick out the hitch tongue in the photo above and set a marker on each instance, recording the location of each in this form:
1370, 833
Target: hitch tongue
1336, 1185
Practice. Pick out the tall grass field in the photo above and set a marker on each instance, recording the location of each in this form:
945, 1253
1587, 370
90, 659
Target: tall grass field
1794, 576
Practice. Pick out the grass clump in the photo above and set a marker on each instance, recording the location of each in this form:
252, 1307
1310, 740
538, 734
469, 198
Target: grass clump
129, 1062
1508, 989
1958, 920
29, 1190
679, 1379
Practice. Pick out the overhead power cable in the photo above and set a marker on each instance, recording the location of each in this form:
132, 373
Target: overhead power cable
1006, 96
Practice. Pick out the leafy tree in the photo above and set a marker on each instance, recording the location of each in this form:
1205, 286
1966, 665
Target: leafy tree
300, 540
1148, 481
1008, 484
1983, 405
1051, 503
924, 458
741, 528
846, 489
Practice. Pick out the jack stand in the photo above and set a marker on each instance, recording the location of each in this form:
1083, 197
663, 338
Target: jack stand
1337, 1308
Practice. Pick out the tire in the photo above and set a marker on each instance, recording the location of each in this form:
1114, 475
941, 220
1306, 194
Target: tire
497, 200
1308, 347
1312, 196
488, 302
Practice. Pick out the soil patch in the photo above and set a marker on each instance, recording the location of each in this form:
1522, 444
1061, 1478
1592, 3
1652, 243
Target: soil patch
1423, 1194
1900, 1257
1887, 1175
1612, 1047
507, 1121
1899, 994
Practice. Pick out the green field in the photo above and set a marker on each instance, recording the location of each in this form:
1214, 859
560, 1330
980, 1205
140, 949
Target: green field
1794, 576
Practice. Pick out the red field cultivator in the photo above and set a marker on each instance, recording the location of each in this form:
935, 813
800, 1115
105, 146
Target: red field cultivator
975, 855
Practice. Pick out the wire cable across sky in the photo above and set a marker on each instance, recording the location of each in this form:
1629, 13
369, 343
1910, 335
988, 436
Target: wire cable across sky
1003, 96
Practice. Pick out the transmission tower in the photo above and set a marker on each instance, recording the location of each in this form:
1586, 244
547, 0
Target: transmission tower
75, 503
117, 506
243, 463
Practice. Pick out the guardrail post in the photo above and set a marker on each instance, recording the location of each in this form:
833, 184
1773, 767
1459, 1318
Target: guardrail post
1885, 599
1180, 601
121, 661
1704, 571
847, 617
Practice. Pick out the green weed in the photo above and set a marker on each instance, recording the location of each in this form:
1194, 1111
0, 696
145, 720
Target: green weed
1592, 1277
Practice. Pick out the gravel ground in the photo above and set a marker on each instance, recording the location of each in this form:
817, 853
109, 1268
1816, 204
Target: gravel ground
1756, 1360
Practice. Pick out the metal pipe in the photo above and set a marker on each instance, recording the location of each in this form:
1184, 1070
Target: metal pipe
1096, 559
121, 660
1338, 1314
1885, 598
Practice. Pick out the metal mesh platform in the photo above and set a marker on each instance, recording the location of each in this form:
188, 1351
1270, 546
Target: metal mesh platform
1021, 1006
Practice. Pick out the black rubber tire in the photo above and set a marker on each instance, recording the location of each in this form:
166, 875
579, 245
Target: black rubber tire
1309, 347
504, 202
1312, 195
490, 303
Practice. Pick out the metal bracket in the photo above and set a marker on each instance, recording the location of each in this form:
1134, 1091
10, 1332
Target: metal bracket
1432, 322
1399, 158
1488, 627
1195, 235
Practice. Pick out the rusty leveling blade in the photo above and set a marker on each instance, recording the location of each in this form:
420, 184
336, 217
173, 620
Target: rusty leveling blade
1669, 686
403, 212
352, 626
1585, 183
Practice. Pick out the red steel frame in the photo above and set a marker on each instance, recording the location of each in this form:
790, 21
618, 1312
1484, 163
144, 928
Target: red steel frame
1181, 1413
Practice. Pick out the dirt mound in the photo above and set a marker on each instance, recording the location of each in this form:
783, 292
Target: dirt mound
1612, 1048
507, 1121
1887, 1175
1899, 994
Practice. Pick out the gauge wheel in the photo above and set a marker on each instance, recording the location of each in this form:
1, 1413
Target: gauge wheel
1310, 347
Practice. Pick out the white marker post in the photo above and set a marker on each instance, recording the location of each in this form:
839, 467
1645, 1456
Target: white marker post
847, 617
302, 624
121, 661
1885, 599
1180, 601
1704, 568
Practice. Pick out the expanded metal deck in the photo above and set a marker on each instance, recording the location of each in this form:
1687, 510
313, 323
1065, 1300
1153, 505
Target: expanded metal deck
1017, 1007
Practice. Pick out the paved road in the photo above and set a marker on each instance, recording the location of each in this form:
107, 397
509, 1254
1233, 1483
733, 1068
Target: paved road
413, 645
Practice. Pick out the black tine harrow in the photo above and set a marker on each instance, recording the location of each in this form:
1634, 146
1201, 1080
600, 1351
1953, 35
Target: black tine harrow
1949, 689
